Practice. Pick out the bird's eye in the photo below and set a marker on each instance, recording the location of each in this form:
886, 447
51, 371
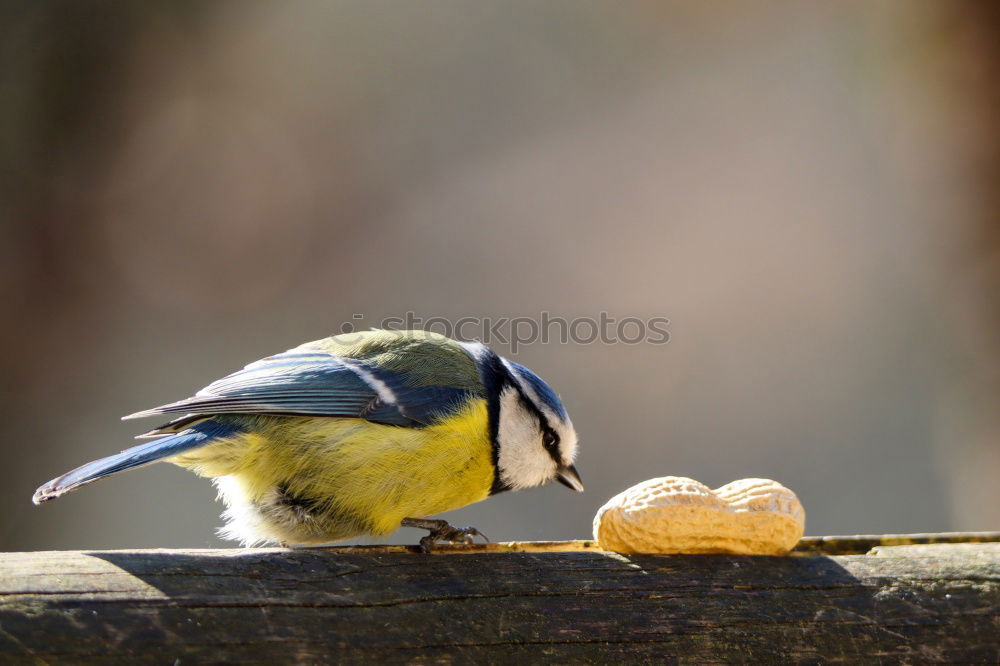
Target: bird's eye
549, 440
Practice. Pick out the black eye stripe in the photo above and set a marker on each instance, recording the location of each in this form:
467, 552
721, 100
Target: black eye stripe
551, 441
550, 438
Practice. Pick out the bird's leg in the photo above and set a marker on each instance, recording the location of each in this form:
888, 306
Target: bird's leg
441, 532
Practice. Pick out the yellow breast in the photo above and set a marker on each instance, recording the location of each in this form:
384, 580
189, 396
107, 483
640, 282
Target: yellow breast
314, 479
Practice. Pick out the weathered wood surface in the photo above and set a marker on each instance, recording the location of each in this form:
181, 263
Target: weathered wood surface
566, 603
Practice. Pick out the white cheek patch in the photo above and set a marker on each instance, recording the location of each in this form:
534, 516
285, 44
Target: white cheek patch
563, 428
523, 460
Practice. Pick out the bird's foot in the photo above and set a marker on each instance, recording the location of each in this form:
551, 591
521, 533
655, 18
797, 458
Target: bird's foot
442, 532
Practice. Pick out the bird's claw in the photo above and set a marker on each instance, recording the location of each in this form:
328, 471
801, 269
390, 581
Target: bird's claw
442, 532
449, 534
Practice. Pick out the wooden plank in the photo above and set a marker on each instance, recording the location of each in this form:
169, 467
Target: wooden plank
930, 600
858, 544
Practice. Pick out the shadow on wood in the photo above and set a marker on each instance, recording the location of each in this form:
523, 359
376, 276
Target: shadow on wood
916, 602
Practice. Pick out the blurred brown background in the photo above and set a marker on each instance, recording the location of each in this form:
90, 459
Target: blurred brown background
808, 191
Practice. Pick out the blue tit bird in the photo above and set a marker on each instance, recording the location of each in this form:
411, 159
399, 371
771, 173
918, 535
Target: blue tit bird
358, 434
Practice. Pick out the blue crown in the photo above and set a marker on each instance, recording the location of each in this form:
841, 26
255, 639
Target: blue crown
545, 393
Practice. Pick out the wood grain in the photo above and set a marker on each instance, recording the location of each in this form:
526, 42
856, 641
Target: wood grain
916, 599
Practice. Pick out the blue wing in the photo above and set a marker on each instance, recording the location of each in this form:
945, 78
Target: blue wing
315, 384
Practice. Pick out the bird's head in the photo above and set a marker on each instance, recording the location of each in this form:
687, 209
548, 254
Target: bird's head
536, 442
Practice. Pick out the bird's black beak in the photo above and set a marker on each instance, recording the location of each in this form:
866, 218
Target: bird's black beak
569, 477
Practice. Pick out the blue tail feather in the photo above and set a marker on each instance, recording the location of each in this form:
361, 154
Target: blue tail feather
194, 437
